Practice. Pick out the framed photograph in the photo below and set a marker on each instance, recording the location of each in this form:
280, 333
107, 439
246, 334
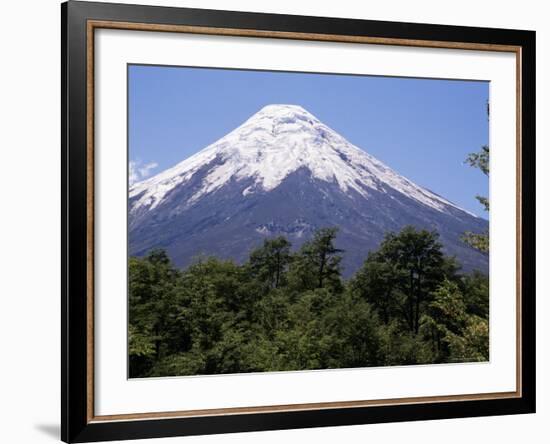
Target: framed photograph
276, 221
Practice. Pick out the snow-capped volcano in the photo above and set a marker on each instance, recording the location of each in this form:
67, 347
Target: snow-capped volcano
284, 152
275, 142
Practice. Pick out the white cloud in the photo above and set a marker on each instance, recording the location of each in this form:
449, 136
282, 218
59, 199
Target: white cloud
138, 171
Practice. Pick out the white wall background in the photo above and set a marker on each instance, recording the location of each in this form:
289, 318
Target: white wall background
30, 202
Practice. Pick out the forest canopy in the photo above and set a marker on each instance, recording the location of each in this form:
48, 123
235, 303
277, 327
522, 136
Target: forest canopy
292, 310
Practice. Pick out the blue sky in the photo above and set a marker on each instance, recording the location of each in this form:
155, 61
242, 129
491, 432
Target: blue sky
422, 128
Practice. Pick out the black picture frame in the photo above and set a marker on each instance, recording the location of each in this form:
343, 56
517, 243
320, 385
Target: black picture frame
76, 423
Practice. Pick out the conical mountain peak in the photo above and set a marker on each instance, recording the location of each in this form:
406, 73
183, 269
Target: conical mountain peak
272, 144
278, 120
280, 112
276, 108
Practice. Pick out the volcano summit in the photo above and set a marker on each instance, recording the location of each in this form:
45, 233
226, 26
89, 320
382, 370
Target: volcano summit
283, 172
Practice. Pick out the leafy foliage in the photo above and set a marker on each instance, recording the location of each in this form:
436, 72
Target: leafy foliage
284, 310
480, 160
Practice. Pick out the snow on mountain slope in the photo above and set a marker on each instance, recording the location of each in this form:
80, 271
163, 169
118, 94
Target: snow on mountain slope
274, 143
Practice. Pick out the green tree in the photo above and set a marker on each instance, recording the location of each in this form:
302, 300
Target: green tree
317, 264
324, 330
456, 335
446, 315
403, 272
354, 330
472, 345
153, 290
269, 263
377, 282
480, 160
475, 288
216, 303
